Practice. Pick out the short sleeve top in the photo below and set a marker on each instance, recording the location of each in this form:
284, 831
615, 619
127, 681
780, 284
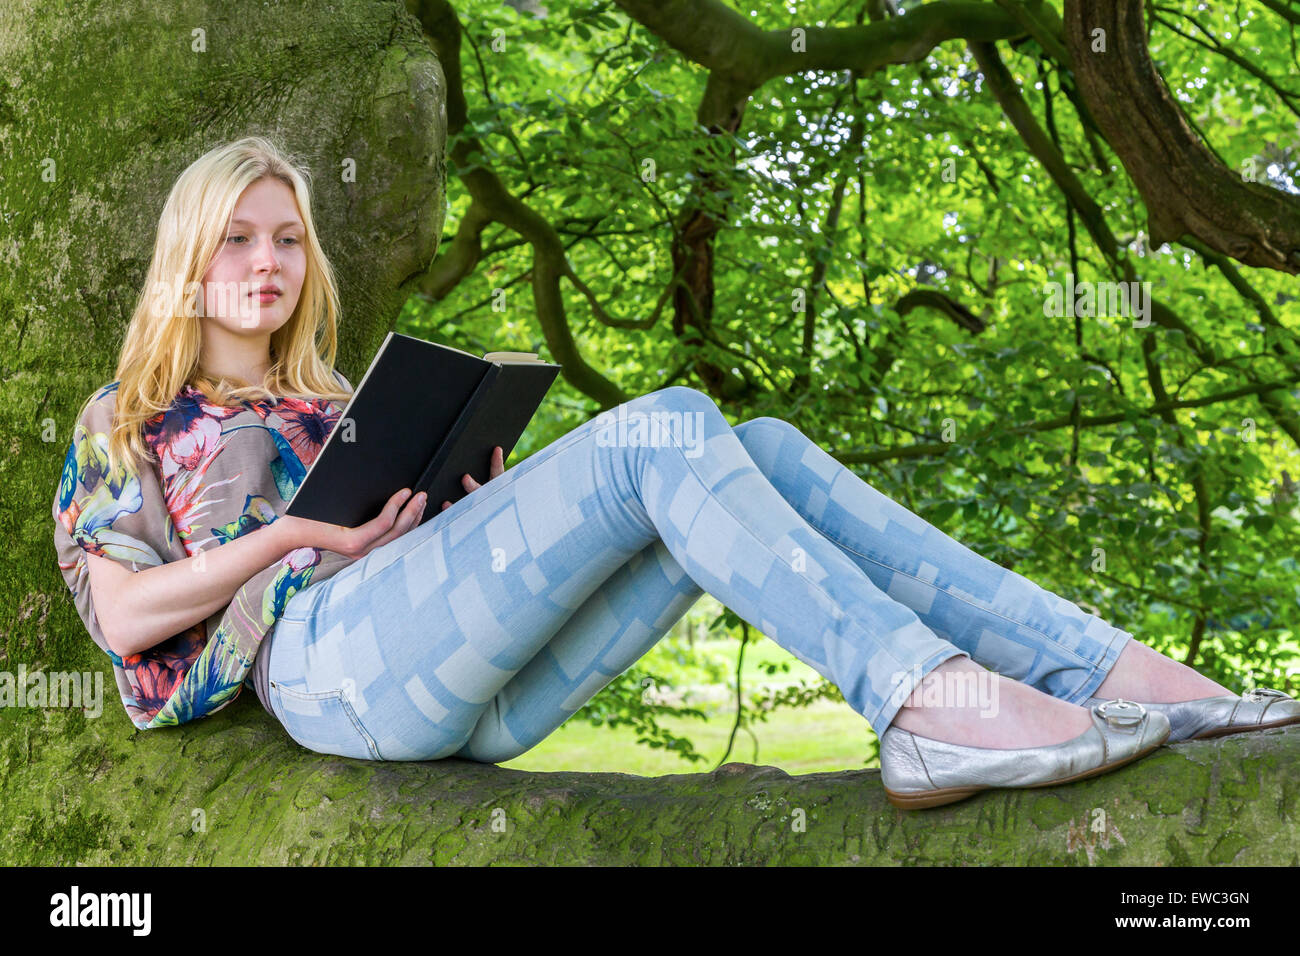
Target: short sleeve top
220, 472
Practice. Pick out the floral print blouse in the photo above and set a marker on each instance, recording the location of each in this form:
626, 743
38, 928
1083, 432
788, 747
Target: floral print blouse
220, 472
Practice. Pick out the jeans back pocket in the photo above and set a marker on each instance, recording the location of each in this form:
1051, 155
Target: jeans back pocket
323, 721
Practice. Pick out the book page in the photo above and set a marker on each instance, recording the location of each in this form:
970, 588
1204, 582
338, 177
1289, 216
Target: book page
513, 358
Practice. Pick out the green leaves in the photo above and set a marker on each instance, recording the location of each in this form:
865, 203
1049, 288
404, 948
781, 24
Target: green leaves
1261, 523
941, 512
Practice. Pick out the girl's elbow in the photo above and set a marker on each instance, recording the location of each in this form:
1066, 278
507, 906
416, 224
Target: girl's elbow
118, 640
111, 638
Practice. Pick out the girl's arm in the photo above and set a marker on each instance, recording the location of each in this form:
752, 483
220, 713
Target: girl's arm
139, 609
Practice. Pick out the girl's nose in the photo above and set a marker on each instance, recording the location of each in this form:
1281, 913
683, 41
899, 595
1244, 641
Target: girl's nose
265, 254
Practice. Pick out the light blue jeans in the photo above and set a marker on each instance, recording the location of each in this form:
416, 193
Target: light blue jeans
481, 631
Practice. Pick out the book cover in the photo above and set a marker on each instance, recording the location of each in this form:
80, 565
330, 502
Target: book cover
422, 416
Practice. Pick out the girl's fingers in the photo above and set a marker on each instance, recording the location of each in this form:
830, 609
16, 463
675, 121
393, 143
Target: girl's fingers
391, 511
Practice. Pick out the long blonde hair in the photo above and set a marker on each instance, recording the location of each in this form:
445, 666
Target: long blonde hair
161, 350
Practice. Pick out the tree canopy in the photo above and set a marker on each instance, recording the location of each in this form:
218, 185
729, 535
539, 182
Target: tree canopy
905, 228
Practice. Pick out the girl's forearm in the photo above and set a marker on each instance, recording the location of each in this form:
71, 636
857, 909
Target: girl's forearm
147, 607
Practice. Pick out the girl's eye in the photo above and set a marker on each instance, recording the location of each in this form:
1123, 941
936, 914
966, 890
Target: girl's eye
289, 239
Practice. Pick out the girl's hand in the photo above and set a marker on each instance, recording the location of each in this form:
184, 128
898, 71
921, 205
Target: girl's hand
359, 541
495, 468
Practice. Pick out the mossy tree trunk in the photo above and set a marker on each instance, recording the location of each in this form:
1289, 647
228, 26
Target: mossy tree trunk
102, 105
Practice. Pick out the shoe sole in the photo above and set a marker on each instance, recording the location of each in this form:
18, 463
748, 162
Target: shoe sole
1240, 729
938, 798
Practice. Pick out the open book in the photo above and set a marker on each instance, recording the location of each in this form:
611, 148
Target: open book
421, 417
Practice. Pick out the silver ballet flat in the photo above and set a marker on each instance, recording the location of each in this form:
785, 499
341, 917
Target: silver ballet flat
1257, 709
920, 772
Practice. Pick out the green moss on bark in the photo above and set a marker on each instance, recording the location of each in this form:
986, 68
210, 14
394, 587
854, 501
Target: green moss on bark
233, 788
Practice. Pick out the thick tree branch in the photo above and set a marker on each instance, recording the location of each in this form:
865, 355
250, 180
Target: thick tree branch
1186, 189
727, 43
459, 257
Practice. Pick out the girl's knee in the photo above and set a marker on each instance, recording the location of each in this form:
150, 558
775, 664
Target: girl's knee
764, 422
681, 397
765, 429
677, 410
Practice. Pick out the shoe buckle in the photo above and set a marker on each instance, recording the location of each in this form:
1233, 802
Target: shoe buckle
1120, 713
1257, 694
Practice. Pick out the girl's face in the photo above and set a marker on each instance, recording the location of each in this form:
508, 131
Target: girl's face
262, 250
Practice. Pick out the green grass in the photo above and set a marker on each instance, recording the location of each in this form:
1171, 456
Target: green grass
825, 736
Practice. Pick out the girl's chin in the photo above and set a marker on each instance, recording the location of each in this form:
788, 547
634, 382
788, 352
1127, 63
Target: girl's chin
268, 319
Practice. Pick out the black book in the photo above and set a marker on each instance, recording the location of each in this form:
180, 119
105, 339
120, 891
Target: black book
422, 416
